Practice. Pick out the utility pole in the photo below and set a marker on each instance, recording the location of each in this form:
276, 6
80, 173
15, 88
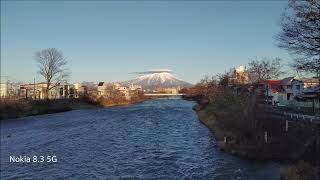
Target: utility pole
7, 87
11, 90
34, 88
267, 91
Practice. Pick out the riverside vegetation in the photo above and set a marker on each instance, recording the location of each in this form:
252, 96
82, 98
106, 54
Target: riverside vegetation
15, 108
245, 125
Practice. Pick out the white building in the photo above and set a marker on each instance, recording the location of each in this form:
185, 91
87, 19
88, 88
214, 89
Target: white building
3, 90
292, 87
287, 90
104, 89
37, 91
8, 90
107, 90
133, 87
239, 76
125, 91
80, 90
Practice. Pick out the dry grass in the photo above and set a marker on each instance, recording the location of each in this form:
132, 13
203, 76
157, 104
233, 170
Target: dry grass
243, 122
15, 108
299, 171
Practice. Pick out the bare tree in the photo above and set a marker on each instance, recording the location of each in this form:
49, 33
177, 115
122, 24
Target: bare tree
209, 84
51, 62
300, 34
265, 69
224, 79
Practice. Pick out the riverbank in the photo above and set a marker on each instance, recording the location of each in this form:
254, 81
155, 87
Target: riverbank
244, 127
13, 108
278, 145
290, 146
16, 108
296, 146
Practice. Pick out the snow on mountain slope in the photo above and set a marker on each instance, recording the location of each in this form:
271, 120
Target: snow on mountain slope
158, 80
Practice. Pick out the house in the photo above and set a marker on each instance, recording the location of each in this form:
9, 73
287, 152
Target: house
108, 90
33, 91
80, 90
309, 83
272, 90
105, 89
292, 87
125, 91
102, 88
310, 93
311, 88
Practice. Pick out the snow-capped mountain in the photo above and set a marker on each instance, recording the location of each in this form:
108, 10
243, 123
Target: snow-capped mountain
158, 79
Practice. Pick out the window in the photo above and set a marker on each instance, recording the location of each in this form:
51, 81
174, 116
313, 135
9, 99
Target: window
298, 87
288, 96
289, 87
61, 91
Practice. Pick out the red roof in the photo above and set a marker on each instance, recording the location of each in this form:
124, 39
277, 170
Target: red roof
275, 85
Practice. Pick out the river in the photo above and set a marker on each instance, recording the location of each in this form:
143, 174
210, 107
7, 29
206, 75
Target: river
157, 139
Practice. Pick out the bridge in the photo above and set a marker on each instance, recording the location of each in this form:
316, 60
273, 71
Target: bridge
163, 94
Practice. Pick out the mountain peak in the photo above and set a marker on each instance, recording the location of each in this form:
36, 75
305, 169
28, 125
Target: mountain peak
154, 79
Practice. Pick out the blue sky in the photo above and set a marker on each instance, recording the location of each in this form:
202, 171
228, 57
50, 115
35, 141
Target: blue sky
106, 40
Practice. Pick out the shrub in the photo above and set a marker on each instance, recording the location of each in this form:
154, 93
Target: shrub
299, 171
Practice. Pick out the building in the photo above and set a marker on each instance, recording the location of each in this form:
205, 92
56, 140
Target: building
37, 91
110, 89
125, 91
290, 89
133, 87
8, 90
309, 83
311, 88
168, 90
80, 90
272, 90
105, 89
239, 76
4, 90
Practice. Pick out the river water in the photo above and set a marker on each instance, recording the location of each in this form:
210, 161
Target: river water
157, 139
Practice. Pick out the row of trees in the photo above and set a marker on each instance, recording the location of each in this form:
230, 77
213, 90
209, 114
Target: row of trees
258, 70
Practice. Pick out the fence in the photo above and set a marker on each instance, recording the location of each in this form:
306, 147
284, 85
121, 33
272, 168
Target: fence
304, 104
306, 107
